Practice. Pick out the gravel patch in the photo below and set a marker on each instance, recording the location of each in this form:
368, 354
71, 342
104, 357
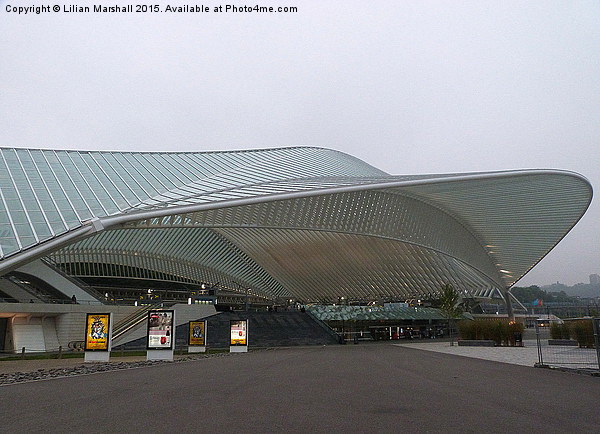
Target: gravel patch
91, 368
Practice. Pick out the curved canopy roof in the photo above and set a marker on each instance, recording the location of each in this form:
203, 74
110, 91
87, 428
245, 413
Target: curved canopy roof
307, 223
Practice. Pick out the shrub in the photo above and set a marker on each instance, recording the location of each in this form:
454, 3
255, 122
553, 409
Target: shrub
466, 329
501, 332
513, 328
495, 331
583, 331
559, 331
479, 327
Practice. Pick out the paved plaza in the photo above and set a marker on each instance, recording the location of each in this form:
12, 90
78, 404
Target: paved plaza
527, 355
352, 388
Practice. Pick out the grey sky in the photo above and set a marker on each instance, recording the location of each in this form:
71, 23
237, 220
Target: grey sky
410, 87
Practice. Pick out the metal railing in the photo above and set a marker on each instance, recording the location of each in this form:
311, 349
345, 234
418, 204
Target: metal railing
28, 351
49, 301
325, 326
30, 289
132, 320
74, 280
578, 348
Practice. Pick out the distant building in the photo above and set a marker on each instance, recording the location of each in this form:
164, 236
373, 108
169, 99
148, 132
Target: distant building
594, 279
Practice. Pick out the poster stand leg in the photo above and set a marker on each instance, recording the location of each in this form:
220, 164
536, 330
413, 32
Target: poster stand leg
96, 356
159, 355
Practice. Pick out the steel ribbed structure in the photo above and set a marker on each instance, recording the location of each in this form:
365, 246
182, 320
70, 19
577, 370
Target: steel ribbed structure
308, 223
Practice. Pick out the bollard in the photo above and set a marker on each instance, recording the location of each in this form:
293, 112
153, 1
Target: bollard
23, 353
60, 352
539, 345
596, 326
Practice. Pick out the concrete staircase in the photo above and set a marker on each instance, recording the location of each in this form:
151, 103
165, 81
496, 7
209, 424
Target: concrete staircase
269, 329
265, 329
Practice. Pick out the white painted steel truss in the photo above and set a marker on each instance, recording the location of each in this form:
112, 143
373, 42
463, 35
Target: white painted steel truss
307, 223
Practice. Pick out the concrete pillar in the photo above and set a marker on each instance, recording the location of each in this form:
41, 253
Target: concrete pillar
509, 309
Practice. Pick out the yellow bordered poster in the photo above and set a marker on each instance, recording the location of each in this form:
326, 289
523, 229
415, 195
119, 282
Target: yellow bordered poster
97, 332
197, 333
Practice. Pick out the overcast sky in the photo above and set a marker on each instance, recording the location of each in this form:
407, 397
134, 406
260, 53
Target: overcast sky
411, 87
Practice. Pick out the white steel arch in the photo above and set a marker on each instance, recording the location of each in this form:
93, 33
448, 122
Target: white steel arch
308, 223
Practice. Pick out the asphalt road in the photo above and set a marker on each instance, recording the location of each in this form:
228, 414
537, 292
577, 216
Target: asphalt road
363, 388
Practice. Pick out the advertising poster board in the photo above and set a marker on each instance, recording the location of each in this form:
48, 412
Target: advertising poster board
97, 332
197, 334
160, 329
239, 330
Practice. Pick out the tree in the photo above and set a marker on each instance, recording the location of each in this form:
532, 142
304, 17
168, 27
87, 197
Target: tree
533, 292
529, 294
449, 305
449, 302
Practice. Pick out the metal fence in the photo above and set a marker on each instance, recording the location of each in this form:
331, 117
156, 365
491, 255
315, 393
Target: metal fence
578, 347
